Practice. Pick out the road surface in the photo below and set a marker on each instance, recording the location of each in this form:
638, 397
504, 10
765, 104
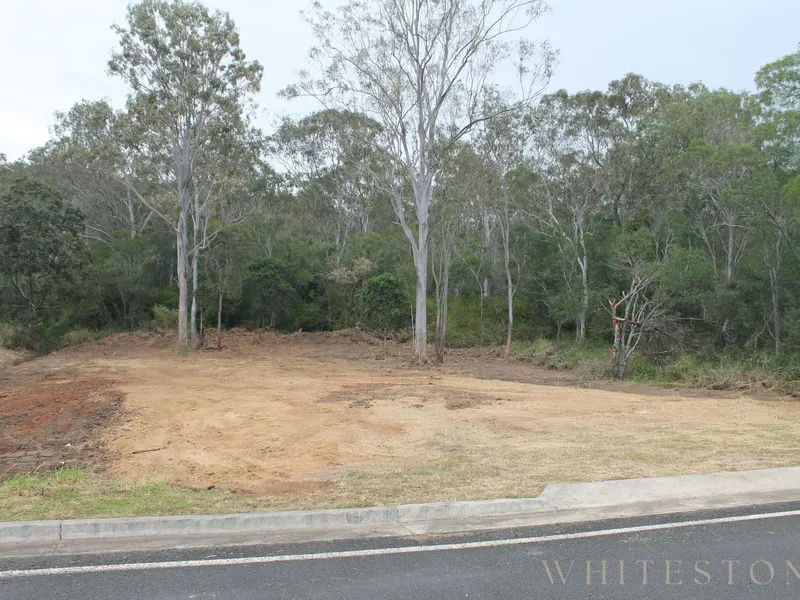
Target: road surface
748, 553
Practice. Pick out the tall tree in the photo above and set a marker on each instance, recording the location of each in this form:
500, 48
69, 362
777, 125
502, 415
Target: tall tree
503, 142
185, 70
569, 188
93, 158
422, 70
327, 156
40, 249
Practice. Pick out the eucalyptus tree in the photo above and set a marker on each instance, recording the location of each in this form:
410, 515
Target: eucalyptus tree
502, 143
185, 70
625, 119
566, 198
421, 70
717, 169
461, 180
94, 158
779, 96
327, 156
222, 193
779, 93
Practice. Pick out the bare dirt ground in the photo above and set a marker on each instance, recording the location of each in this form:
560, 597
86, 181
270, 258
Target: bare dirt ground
338, 419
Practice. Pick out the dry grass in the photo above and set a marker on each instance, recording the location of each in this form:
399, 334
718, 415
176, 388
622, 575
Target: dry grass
9, 358
295, 423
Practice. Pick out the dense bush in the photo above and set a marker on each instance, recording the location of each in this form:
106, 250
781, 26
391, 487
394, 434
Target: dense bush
385, 305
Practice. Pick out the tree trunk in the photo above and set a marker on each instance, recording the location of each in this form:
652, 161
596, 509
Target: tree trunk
422, 197
617, 350
510, 309
776, 309
775, 285
580, 330
219, 319
182, 243
445, 303
487, 243
437, 338
731, 257
131, 211
583, 263
442, 296
617, 216
196, 216
194, 326
421, 311
505, 227
510, 286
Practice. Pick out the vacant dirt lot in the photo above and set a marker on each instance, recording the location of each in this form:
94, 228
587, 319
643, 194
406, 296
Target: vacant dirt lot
336, 419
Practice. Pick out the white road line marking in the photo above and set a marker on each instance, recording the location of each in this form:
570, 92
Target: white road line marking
258, 560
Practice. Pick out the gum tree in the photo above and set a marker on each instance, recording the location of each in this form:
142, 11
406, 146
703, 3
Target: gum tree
185, 70
422, 70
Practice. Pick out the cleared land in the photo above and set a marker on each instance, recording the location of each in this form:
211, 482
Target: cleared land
320, 420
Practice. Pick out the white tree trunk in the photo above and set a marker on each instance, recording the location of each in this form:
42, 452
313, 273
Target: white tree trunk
487, 243
510, 306
131, 211
583, 263
182, 243
419, 248
193, 329
194, 337
421, 312
505, 226
219, 317
775, 285
580, 322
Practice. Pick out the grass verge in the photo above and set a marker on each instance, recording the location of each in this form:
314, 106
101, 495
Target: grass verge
72, 493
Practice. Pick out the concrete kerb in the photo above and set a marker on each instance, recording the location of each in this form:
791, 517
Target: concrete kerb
556, 503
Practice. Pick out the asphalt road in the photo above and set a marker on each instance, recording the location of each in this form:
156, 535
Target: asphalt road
724, 554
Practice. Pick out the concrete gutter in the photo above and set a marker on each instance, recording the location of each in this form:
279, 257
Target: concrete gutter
558, 503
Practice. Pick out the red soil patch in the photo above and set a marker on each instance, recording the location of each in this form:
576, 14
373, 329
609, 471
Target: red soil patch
54, 421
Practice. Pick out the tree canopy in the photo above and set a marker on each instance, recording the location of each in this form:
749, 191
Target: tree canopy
653, 218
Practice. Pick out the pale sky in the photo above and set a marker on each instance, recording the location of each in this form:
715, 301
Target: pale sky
54, 52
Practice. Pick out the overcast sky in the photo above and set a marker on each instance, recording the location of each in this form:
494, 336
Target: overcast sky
54, 52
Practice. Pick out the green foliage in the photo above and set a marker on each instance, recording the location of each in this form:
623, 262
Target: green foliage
737, 371
80, 336
467, 327
42, 257
270, 294
385, 305
592, 360
164, 317
697, 190
14, 335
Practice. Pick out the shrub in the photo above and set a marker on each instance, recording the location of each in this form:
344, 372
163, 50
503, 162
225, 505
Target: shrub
165, 318
385, 305
80, 336
270, 294
19, 337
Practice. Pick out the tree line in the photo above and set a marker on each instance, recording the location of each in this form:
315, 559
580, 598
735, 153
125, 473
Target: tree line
650, 217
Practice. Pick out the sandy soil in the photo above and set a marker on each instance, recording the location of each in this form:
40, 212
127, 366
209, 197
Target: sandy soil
340, 414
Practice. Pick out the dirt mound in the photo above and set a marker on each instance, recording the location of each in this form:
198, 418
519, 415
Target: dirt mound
351, 336
123, 343
258, 337
55, 422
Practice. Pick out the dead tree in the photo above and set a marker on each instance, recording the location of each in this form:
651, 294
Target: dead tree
640, 313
